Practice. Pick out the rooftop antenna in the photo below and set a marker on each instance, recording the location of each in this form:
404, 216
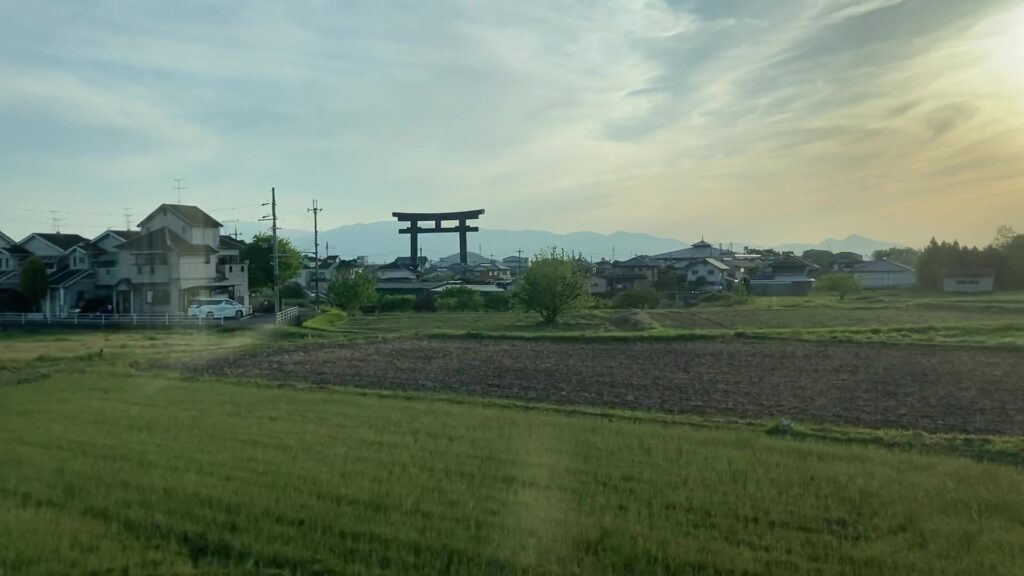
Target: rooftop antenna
179, 187
127, 219
55, 221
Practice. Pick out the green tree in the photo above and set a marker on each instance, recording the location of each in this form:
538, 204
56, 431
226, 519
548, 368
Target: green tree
1004, 235
34, 281
642, 298
460, 299
901, 255
552, 285
349, 293
841, 284
822, 258
260, 254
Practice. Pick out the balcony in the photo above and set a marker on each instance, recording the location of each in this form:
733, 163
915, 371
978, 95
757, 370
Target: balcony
235, 273
149, 273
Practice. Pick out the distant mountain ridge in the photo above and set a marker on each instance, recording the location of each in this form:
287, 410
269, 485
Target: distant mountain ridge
380, 242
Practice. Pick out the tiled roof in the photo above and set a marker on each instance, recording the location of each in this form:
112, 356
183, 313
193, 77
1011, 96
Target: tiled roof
191, 214
62, 241
15, 250
232, 244
882, 266
163, 240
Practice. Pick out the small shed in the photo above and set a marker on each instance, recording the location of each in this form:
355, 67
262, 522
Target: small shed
979, 280
882, 274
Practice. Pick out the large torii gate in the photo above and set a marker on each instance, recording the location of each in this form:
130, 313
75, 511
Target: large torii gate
414, 229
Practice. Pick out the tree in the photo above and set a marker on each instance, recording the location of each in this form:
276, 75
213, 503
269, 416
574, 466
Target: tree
1004, 235
841, 284
552, 285
905, 256
352, 292
260, 254
460, 299
641, 298
822, 258
34, 281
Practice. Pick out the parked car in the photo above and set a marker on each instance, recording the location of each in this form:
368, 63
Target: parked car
216, 308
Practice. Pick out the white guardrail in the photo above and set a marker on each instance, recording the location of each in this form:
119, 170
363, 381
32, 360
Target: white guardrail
288, 316
109, 320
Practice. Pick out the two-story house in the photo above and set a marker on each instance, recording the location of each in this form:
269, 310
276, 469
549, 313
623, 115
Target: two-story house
178, 255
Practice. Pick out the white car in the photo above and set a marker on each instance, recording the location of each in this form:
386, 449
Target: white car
216, 308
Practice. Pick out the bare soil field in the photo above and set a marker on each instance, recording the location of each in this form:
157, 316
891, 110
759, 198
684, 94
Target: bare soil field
948, 389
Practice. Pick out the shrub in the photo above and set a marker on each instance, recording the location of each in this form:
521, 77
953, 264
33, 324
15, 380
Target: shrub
497, 302
353, 292
642, 298
293, 291
395, 303
839, 283
461, 299
425, 302
368, 308
552, 285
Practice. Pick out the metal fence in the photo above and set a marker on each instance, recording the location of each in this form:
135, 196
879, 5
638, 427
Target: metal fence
288, 316
100, 320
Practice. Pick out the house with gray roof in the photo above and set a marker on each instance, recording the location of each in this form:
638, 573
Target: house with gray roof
882, 274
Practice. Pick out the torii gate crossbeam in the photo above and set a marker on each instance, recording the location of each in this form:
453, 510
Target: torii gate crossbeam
438, 218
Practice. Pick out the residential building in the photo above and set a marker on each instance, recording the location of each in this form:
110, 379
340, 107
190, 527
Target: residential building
787, 275
972, 281
597, 284
644, 265
177, 255
517, 264
709, 272
472, 259
489, 272
696, 251
881, 274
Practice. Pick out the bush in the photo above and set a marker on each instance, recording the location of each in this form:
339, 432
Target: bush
642, 298
293, 291
354, 292
425, 302
368, 308
497, 302
395, 303
552, 285
461, 299
839, 283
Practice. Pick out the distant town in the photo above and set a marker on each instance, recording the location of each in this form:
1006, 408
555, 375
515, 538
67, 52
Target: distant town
179, 253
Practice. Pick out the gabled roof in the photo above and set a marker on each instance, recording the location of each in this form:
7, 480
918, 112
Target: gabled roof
882, 266
63, 242
15, 250
232, 244
792, 260
5, 240
90, 248
711, 261
191, 214
637, 262
124, 235
164, 240
67, 277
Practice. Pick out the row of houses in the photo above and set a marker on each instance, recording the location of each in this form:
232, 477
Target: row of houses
176, 255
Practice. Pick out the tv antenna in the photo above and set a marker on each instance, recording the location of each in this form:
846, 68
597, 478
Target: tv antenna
179, 187
55, 220
127, 219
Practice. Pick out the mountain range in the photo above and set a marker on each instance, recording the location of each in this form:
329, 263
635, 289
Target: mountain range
380, 242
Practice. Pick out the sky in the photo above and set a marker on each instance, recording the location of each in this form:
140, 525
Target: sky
749, 121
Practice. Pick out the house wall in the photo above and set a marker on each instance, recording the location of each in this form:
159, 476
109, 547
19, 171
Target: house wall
881, 280
194, 234
597, 285
978, 284
705, 270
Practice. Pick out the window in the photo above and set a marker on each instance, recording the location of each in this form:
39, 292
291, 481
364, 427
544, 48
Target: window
711, 272
206, 259
694, 272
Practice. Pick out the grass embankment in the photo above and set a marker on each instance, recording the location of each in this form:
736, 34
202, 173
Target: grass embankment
113, 471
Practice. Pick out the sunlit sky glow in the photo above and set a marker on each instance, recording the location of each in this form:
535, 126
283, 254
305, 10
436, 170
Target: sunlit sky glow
753, 121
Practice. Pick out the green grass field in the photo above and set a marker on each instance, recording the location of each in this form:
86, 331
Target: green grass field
111, 461
109, 471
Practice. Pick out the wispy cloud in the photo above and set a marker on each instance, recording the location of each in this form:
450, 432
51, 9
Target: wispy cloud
737, 119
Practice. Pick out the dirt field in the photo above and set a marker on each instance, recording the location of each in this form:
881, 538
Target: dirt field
935, 389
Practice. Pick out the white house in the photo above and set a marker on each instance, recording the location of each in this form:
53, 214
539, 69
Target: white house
597, 284
712, 271
980, 280
880, 274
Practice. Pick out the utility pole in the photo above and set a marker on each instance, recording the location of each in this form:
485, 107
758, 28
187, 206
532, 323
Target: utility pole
316, 209
519, 263
273, 228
